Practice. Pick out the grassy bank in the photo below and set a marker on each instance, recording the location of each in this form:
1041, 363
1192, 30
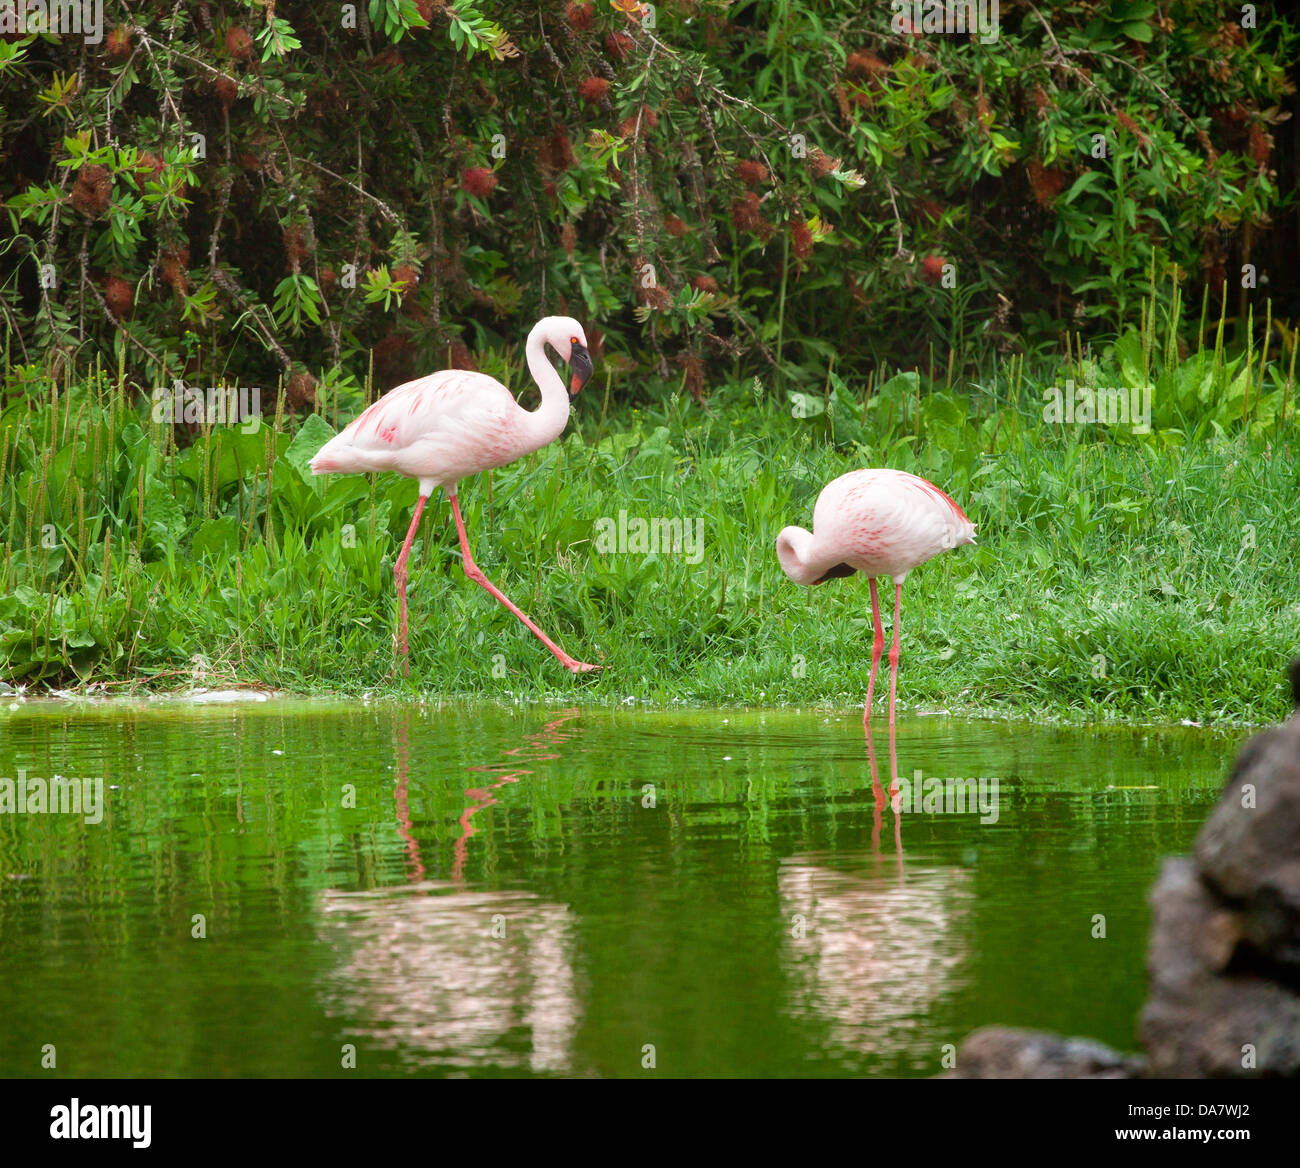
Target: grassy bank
1152, 576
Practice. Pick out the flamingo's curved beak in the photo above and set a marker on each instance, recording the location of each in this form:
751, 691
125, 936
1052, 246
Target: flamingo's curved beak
580, 365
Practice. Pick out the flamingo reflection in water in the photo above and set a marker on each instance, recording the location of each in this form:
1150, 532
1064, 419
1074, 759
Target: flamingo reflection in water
443, 977
449, 977
402, 759
876, 954
895, 799
536, 748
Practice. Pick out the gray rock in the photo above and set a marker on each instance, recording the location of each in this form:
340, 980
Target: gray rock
1005, 1052
1230, 1027
1209, 1014
1192, 934
1249, 849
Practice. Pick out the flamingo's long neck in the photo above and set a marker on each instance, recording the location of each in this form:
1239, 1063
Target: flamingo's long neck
794, 550
544, 424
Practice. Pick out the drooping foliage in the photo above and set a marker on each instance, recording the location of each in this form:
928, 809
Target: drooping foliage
289, 191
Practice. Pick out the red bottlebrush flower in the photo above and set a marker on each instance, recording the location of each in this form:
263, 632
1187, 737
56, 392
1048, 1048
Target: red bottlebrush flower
867, 66
644, 119
173, 261
932, 268
92, 190
580, 16
929, 210
747, 215
619, 45
239, 44
328, 277
1045, 181
1042, 103
425, 8
842, 103
250, 161
296, 247
119, 296
117, 45
1131, 126
394, 358
1227, 117
801, 239
557, 153
655, 296
821, 163
1232, 34
693, 369
300, 391
1261, 143
752, 174
705, 284
674, 226
479, 181
548, 189
594, 90
409, 275
227, 90
390, 58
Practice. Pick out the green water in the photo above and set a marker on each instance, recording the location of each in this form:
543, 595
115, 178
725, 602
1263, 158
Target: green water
499, 891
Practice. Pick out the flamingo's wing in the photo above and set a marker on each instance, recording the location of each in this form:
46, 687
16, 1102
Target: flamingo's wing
418, 409
888, 518
934, 515
427, 426
947, 504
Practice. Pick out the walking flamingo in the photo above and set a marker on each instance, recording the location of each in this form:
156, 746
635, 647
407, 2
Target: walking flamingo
880, 523
441, 428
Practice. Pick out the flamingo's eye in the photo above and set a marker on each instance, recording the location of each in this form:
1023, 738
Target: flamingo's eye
573, 340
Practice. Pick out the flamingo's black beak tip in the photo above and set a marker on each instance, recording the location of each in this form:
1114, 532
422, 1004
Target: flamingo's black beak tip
580, 365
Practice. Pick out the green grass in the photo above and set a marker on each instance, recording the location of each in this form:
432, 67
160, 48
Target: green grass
1117, 576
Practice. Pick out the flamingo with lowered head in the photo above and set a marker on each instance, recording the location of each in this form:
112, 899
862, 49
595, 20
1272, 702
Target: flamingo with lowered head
879, 523
442, 428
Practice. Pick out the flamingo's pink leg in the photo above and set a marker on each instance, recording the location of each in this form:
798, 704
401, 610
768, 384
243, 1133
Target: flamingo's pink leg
399, 574
877, 647
876, 789
473, 571
893, 652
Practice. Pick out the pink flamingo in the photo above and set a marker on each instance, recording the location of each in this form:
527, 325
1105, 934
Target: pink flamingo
880, 523
443, 427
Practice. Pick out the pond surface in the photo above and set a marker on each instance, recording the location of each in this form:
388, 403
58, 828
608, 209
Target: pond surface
489, 890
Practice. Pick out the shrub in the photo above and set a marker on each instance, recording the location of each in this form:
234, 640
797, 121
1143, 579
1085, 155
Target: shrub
232, 186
